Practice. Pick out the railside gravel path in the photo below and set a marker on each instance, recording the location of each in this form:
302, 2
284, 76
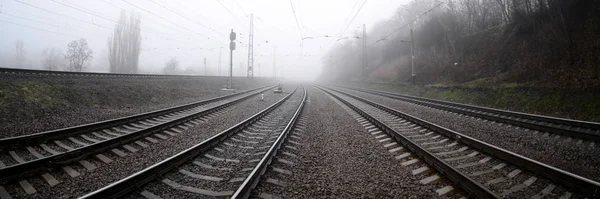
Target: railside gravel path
338, 158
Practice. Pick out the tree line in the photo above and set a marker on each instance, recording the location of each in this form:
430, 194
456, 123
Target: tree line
77, 55
512, 39
124, 48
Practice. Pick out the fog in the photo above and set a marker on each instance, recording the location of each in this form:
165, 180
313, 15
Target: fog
190, 31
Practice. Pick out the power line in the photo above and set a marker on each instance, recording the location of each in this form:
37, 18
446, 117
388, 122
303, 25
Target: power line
36, 21
192, 12
161, 24
40, 29
416, 18
296, 18
232, 15
28, 19
359, 9
166, 20
158, 16
103, 17
112, 4
74, 18
84, 11
349, 14
181, 15
238, 4
46, 10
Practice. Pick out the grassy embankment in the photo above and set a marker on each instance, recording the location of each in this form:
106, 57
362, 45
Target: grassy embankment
21, 97
27, 99
580, 104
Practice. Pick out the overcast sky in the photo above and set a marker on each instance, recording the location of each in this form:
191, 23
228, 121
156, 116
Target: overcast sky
192, 30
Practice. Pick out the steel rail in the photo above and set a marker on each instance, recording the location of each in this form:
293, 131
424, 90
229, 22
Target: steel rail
454, 175
96, 74
569, 180
136, 180
251, 181
19, 171
567, 127
41, 137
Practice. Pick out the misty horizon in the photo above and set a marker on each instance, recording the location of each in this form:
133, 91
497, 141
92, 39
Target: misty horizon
190, 32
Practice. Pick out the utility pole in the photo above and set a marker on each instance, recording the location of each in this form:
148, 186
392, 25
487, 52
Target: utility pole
274, 68
364, 67
205, 72
251, 48
220, 51
412, 58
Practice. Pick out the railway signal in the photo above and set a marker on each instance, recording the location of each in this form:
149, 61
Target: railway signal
232, 37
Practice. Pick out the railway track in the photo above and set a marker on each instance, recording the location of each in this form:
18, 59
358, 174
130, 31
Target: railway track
582, 130
37, 154
44, 73
442, 156
228, 164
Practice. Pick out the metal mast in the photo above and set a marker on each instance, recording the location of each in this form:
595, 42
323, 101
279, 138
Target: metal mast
274, 68
412, 58
251, 48
364, 68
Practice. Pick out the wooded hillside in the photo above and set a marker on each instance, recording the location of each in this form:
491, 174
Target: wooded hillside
549, 43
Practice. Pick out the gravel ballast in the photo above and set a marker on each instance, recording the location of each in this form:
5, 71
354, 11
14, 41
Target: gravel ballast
155, 152
566, 154
337, 158
236, 149
32, 104
496, 181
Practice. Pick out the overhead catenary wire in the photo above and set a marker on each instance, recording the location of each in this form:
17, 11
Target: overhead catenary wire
40, 29
191, 13
103, 17
296, 18
70, 17
355, 15
163, 25
238, 4
28, 19
181, 15
59, 14
161, 17
167, 20
37, 21
299, 29
84, 11
348, 17
231, 13
341, 35
410, 22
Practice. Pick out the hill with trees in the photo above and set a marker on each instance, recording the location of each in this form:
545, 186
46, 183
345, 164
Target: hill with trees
532, 43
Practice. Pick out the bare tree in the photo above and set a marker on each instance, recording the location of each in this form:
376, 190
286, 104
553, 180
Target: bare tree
125, 45
78, 54
52, 60
19, 54
171, 67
